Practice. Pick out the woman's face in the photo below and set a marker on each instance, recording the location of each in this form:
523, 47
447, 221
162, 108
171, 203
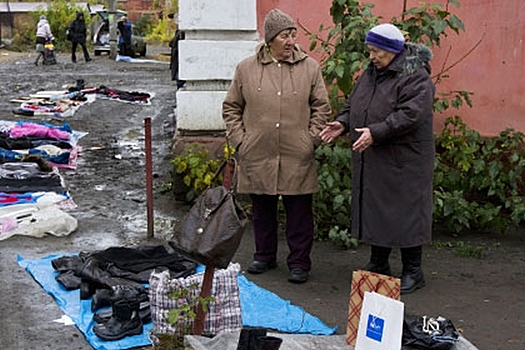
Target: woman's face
379, 57
282, 45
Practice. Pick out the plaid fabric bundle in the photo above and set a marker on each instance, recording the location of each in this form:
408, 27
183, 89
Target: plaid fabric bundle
365, 281
224, 314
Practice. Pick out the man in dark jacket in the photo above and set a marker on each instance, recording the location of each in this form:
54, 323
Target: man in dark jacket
78, 33
389, 118
124, 28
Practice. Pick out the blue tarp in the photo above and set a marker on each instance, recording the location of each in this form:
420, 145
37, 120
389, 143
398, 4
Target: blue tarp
259, 307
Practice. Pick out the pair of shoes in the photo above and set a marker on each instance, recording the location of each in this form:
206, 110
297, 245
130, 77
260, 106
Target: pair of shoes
298, 276
261, 266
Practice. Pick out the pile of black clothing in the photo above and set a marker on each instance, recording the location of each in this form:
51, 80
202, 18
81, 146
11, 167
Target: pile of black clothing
115, 277
127, 96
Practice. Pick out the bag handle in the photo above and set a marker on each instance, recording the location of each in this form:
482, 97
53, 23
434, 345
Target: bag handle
230, 177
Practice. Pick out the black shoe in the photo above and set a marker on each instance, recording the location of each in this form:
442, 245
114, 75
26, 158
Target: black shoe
410, 281
88, 59
298, 276
383, 269
261, 266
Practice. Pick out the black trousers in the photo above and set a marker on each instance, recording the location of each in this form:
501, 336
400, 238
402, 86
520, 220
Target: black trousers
74, 51
299, 228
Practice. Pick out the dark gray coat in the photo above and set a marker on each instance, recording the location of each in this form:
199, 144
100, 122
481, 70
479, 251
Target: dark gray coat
78, 30
392, 179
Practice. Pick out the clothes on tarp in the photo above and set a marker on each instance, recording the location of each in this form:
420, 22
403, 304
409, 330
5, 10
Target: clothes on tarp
22, 177
133, 264
55, 144
122, 95
138, 263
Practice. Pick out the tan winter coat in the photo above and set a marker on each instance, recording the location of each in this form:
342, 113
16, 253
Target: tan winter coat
274, 113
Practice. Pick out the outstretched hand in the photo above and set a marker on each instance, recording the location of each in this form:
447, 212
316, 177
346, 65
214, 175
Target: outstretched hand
331, 131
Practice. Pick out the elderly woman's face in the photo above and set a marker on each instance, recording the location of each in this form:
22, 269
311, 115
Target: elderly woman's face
379, 57
282, 45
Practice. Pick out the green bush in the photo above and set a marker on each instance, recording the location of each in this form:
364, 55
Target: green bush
332, 203
478, 181
162, 31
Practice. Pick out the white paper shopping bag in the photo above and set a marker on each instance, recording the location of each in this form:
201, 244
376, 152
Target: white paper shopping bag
380, 323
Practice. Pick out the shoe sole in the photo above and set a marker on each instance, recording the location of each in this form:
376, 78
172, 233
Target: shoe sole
136, 331
297, 281
413, 289
259, 271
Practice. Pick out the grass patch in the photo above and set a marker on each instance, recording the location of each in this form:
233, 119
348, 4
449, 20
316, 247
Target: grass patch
464, 249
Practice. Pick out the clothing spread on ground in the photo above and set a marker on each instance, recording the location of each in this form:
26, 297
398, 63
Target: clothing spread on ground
34, 196
64, 103
259, 307
33, 193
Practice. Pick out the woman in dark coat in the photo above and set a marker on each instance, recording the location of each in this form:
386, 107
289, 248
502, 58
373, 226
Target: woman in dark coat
389, 120
78, 33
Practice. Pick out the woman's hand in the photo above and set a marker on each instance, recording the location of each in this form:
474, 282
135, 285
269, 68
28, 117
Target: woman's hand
331, 131
364, 141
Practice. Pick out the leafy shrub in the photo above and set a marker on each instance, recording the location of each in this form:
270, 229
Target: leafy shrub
478, 181
162, 31
331, 204
197, 168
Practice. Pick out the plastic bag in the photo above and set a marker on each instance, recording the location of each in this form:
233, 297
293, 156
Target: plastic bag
422, 332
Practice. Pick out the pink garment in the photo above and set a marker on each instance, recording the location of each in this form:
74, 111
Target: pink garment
38, 130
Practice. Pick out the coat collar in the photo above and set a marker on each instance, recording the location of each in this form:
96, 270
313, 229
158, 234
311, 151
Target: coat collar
297, 55
407, 62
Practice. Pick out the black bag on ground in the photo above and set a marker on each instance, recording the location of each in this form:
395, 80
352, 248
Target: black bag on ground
212, 230
422, 332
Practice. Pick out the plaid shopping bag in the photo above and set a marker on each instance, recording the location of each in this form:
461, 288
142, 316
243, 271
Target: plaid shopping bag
224, 313
366, 281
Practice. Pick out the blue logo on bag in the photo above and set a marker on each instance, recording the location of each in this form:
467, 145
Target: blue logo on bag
375, 327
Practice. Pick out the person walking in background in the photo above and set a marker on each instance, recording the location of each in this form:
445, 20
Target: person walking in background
43, 33
78, 33
174, 61
389, 118
275, 108
124, 28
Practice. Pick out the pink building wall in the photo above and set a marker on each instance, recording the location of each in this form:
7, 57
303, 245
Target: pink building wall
494, 71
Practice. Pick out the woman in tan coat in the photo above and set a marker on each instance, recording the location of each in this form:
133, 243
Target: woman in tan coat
274, 111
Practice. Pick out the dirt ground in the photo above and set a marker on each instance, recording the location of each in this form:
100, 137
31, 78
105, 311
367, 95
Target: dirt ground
485, 298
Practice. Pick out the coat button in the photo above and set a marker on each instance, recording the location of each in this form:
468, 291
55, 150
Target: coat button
277, 125
278, 93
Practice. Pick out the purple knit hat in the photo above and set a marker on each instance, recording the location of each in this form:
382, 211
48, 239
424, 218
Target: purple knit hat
387, 37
